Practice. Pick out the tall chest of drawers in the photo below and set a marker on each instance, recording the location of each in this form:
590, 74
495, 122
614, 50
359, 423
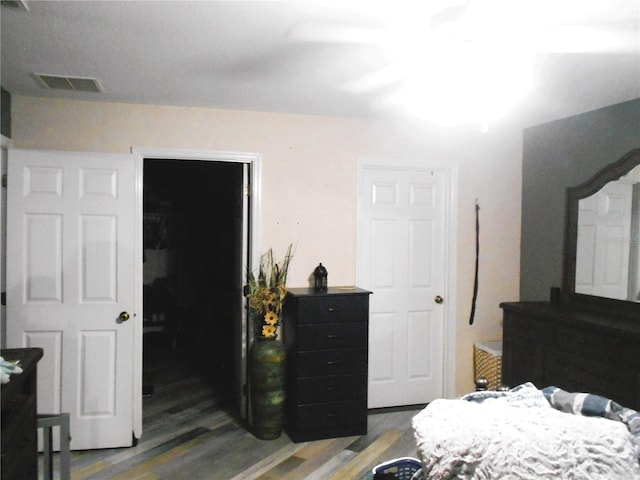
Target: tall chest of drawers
326, 336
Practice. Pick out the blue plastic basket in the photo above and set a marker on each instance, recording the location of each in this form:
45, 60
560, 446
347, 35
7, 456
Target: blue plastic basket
403, 468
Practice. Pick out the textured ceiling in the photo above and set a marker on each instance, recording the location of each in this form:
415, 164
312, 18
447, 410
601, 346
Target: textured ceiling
243, 55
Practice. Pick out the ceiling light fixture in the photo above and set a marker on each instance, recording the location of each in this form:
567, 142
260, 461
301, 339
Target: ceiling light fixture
466, 61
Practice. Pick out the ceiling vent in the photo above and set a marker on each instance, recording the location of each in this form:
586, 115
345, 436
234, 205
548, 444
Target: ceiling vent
62, 82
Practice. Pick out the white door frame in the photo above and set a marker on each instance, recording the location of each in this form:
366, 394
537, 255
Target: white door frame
451, 171
254, 160
5, 143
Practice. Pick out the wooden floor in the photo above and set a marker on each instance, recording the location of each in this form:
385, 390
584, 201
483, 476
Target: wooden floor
190, 433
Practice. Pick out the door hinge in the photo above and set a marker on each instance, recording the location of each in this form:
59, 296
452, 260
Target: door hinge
4, 180
247, 190
3, 299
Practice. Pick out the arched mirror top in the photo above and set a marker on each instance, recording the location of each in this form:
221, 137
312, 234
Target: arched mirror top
609, 173
583, 199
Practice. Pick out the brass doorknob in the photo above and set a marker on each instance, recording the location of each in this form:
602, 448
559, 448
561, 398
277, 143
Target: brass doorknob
438, 299
124, 316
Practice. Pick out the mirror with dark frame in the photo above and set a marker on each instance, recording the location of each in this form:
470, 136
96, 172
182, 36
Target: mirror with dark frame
602, 238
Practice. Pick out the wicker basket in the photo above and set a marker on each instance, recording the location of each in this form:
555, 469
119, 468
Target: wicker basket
405, 468
487, 362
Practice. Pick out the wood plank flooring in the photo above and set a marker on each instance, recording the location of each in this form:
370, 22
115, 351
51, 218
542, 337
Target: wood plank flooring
190, 433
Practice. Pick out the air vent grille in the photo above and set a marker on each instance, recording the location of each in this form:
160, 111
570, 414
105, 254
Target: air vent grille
61, 82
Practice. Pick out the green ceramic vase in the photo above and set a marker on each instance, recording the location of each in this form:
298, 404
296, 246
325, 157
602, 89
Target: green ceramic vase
266, 387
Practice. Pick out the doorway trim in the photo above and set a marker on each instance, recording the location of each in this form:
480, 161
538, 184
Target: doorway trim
252, 190
5, 144
451, 195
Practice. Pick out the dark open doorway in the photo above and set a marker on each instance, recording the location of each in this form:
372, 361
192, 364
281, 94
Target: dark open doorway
191, 271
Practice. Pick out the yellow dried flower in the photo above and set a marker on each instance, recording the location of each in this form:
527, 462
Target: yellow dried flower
271, 318
268, 331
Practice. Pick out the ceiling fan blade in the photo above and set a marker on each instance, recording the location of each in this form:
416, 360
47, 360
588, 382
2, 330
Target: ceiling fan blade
447, 15
335, 32
377, 80
582, 39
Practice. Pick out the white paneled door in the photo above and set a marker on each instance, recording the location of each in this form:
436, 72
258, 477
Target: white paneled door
71, 286
402, 258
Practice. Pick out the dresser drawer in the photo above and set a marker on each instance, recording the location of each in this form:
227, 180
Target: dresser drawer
323, 416
330, 362
20, 442
587, 374
333, 309
616, 350
19, 413
327, 336
522, 361
530, 328
330, 388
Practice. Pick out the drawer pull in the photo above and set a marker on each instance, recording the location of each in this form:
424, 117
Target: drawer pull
333, 309
333, 363
332, 416
331, 389
332, 336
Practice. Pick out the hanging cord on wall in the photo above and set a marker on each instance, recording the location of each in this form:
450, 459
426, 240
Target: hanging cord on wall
475, 280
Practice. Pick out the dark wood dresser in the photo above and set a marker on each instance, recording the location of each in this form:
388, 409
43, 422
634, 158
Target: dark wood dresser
576, 350
326, 336
19, 416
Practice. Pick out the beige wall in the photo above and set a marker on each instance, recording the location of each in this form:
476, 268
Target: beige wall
309, 166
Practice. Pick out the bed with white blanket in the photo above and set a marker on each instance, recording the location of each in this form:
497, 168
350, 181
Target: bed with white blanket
527, 433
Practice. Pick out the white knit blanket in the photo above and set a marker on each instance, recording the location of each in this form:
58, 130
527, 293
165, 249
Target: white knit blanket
458, 439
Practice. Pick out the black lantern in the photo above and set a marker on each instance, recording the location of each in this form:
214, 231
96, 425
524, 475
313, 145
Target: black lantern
320, 279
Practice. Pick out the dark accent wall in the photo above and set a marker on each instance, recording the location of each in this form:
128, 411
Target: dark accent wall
557, 155
5, 113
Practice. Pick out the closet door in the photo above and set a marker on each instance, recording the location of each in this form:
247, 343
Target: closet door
402, 252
